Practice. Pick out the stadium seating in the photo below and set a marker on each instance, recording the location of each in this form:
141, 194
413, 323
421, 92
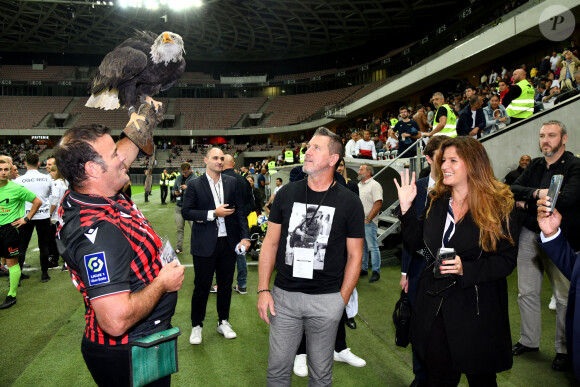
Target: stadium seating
215, 113
26, 73
27, 112
293, 109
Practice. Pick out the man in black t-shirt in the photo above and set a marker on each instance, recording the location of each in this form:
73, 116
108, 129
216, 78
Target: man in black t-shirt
407, 131
315, 241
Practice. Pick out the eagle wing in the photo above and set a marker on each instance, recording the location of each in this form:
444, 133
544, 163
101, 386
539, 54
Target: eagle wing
119, 66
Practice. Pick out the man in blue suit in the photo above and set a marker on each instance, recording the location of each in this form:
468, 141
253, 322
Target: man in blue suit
554, 243
413, 263
214, 203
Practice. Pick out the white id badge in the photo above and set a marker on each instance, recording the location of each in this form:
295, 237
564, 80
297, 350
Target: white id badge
168, 254
303, 266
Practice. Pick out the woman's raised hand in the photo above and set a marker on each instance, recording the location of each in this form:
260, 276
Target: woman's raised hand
407, 190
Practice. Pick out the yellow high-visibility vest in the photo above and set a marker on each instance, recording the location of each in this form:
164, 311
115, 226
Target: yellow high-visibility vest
289, 157
523, 106
450, 128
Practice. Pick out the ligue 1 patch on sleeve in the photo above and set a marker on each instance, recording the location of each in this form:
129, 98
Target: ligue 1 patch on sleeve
96, 266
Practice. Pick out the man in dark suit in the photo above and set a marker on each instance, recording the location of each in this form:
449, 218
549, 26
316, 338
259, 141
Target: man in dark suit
248, 204
554, 243
220, 229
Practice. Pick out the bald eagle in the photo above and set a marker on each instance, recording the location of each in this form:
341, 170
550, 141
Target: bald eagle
136, 70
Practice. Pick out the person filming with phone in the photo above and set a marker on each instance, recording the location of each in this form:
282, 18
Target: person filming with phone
553, 242
533, 184
460, 320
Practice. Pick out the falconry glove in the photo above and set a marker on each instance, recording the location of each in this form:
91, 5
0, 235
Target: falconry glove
141, 131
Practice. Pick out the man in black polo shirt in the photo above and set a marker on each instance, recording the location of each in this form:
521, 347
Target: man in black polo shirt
112, 251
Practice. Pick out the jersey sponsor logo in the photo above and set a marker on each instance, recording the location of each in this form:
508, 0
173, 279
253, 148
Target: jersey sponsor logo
92, 234
96, 266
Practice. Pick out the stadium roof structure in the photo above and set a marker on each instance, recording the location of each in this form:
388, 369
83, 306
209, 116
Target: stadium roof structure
230, 30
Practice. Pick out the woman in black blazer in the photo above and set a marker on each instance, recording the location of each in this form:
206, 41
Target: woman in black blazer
460, 322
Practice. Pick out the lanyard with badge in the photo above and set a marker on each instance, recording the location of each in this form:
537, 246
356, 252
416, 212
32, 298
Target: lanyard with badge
303, 264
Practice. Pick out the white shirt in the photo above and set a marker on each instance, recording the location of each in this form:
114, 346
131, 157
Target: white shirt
59, 188
217, 191
370, 191
41, 185
554, 62
366, 145
350, 149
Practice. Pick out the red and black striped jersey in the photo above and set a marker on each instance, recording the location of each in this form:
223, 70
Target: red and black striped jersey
111, 249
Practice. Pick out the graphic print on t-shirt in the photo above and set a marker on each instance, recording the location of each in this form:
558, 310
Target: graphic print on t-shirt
308, 230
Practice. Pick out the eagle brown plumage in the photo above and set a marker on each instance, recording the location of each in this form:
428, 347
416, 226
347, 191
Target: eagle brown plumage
136, 70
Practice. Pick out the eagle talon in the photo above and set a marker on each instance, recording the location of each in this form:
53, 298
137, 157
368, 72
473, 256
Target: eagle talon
154, 104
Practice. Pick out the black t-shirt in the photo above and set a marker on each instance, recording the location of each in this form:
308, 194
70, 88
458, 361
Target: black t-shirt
340, 216
441, 112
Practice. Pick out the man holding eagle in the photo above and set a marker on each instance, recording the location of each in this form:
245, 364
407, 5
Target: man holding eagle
111, 249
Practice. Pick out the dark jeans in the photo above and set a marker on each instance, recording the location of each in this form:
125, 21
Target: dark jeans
43, 232
110, 366
163, 193
223, 263
438, 362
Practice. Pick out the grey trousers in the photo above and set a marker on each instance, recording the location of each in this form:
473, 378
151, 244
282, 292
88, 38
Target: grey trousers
318, 316
532, 262
180, 224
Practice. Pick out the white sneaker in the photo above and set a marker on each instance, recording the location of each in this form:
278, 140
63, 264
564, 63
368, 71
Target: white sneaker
552, 305
226, 329
300, 367
346, 356
195, 337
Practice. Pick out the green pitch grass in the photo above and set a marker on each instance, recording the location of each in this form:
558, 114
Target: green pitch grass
40, 336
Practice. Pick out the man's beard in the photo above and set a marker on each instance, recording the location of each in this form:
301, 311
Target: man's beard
553, 151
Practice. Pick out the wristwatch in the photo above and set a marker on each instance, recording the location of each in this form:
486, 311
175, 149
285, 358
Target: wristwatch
26, 219
214, 215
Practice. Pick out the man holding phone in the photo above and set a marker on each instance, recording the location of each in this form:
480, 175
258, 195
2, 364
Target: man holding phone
213, 201
533, 184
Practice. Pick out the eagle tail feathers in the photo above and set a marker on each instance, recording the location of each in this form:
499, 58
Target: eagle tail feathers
107, 99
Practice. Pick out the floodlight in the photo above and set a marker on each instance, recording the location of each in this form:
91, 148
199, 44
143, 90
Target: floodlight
151, 4
196, 3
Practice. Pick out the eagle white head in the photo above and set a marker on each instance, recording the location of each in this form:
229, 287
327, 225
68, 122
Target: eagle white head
168, 47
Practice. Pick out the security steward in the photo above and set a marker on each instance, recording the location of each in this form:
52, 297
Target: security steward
288, 157
519, 100
163, 184
303, 150
112, 251
272, 167
170, 184
444, 121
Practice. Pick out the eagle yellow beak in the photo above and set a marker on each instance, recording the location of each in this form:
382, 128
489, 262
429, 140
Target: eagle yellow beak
167, 38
